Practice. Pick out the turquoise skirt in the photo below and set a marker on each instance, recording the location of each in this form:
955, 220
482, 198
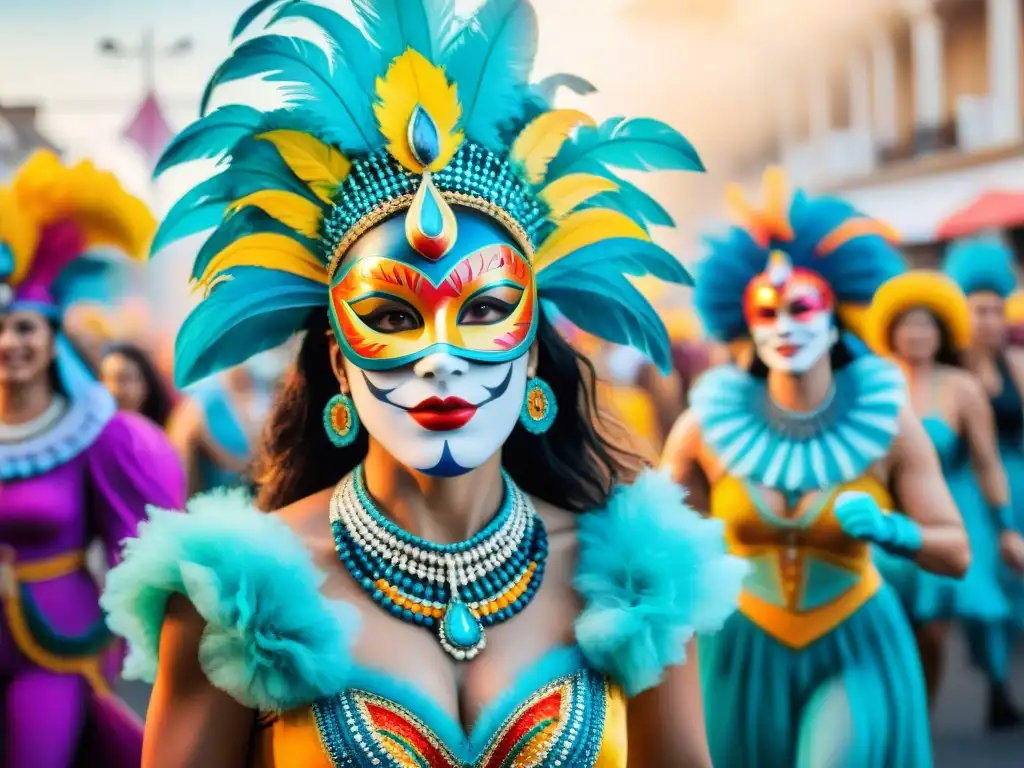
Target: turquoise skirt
980, 596
854, 698
1013, 584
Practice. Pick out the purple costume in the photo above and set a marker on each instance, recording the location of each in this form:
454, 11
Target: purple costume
78, 473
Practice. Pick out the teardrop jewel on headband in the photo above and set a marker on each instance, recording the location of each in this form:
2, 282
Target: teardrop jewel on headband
456, 589
430, 225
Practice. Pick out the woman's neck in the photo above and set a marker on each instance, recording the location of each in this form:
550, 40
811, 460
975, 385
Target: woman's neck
22, 403
444, 510
801, 392
982, 357
917, 371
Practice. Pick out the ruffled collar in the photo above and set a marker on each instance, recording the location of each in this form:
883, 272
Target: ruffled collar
58, 440
756, 440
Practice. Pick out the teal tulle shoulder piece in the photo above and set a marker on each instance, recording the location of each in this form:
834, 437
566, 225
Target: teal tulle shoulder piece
272, 641
652, 573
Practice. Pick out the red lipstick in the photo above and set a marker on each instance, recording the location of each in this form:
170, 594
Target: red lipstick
445, 415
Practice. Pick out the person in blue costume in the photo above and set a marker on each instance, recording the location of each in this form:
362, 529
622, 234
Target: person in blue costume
984, 269
216, 426
804, 450
454, 567
922, 321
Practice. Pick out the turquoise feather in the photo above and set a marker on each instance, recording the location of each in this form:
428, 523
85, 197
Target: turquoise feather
613, 310
632, 201
652, 573
621, 254
246, 222
351, 49
258, 309
305, 67
272, 641
981, 264
193, 213
250, 15
395, 26
490, 64
210, 136
547, 88
93, 277
642, 144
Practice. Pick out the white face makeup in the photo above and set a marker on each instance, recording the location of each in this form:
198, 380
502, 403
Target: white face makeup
442, 415
792, 325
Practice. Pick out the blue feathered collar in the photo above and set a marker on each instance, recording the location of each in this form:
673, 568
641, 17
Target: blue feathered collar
756, 440
651, 573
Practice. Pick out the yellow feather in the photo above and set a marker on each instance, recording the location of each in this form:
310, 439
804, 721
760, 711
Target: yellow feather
321, 166
268, 250
584, 228
93, 199
290, 209
19, 233
411, 80
563, 195
540, 141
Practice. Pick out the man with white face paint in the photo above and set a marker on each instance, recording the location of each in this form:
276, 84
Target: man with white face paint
803, 456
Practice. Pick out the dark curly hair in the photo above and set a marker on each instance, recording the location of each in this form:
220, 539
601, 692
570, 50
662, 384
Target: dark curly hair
573, 466
157, 405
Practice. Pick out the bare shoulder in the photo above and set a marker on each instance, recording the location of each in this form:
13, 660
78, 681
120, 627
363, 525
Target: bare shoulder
558, 522
1015, 359
911, 441
684, 439
963, 385
309, 519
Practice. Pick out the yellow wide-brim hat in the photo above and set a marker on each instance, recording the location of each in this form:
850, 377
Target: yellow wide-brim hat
918, 289
1014, 308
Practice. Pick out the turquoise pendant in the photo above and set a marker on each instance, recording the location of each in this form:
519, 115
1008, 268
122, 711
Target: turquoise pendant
461, 633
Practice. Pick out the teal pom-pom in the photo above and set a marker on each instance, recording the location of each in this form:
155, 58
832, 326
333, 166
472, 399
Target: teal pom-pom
652, 574
272, 641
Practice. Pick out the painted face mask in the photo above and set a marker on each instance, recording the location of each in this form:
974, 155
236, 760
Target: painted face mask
436, 348
790, 313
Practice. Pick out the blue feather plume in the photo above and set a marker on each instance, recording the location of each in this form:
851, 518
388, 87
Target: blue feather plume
304, 66
609, 307
630, 200
210, 136
349, 45
490, 63
981, 264
641, 144
397, 25
617, 255
257, 310
547, 88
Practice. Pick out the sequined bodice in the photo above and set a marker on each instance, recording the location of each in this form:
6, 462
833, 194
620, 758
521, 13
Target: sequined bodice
576, 718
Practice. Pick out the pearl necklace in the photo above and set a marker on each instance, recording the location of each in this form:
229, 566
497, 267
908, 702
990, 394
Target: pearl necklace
458, 588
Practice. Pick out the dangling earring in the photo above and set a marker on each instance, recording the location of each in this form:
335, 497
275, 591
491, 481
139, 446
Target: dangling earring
341, 421
539, 407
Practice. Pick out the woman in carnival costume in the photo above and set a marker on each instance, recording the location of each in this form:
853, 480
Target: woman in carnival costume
453, 574
984, 270
129, 374
72, 470
802, 454
921, 320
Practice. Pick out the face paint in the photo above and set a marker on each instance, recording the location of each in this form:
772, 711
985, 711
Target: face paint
391, 307
790, 315
443, 415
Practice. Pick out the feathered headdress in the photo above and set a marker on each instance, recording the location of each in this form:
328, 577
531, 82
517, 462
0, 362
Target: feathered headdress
52, 220
825, 235
418, 113
981, 264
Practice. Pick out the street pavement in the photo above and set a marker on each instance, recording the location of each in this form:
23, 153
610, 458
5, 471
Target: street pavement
960, 737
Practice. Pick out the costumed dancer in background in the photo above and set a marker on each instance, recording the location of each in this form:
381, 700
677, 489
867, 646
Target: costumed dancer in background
803, 454
216, 426
921, 320
127, 371
984, 270
72, 470
456, 465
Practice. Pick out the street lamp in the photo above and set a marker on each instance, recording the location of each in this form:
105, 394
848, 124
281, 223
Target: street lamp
146, 52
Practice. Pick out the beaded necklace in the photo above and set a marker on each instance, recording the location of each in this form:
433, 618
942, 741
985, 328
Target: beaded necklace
458, 588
